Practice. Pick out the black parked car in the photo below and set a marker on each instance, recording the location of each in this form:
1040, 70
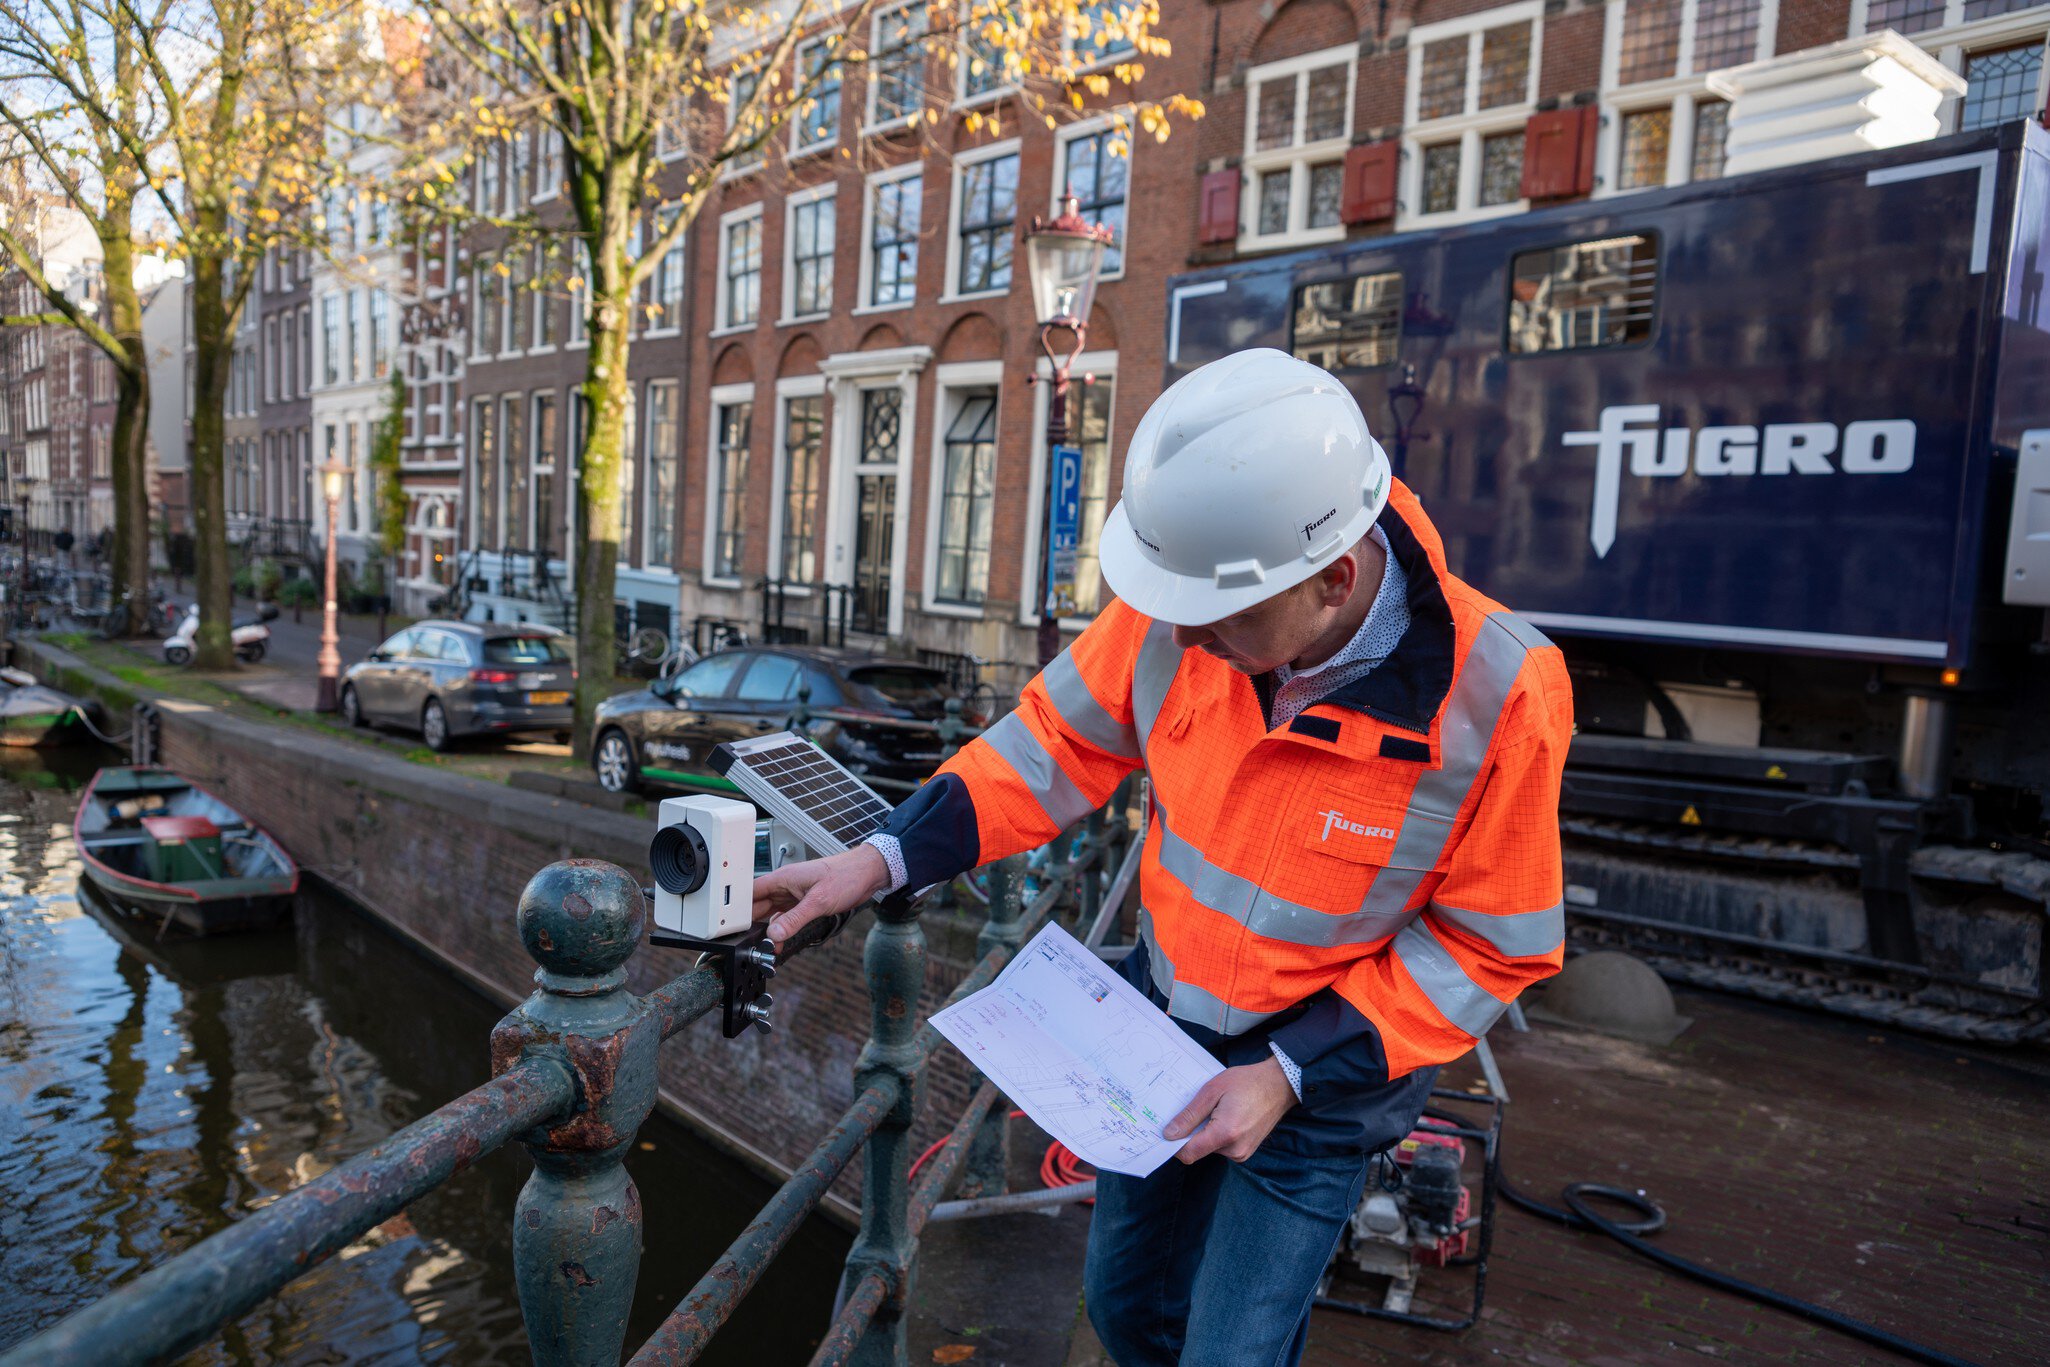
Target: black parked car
665, 732
450, 679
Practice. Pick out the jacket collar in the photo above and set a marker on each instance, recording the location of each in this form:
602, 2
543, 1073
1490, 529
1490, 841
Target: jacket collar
1409, 687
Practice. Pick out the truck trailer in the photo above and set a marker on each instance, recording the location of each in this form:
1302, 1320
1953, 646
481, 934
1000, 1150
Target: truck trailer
1769, 458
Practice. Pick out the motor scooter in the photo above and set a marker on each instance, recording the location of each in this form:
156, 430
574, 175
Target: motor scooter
251, 637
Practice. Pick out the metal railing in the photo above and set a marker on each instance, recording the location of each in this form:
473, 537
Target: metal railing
574, 1077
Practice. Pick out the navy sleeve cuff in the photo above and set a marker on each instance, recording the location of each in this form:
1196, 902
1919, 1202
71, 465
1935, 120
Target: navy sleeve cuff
935, 830
1337, 1048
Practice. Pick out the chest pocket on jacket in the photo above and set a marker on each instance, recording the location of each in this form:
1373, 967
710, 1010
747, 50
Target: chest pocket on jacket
1366, 824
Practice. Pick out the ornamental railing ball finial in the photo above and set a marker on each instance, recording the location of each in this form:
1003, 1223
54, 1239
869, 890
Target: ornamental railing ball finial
582, 919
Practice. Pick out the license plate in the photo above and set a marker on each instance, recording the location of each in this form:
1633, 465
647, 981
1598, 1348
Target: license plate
547, 699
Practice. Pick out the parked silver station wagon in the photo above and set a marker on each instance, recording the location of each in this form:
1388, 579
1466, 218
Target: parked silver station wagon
450, 679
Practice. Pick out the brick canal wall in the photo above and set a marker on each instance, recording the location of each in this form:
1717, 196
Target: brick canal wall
442, 859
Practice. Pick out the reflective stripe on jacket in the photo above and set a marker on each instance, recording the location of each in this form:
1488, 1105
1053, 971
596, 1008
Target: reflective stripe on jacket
1371, 885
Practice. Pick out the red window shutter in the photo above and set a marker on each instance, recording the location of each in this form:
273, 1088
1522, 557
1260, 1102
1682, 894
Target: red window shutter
1218, 217
1370, 173
1558, 152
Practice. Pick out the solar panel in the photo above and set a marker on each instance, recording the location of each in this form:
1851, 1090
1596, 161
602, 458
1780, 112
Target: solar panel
805, 788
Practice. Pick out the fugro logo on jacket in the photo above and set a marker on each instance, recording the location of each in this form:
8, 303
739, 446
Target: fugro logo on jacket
1335, 820
1884, 446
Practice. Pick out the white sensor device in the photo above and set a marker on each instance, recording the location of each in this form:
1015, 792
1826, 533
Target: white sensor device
703, 860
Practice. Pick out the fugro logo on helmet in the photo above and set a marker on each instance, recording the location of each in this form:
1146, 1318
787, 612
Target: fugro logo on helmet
1884, 446
1310, 527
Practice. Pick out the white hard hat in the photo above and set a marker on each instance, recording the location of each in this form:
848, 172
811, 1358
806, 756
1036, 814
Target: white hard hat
1245, 478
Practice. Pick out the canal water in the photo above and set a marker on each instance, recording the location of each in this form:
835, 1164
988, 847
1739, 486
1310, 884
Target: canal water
153, 1092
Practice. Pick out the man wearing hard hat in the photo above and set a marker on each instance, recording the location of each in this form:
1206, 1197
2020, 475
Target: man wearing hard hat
1352, 851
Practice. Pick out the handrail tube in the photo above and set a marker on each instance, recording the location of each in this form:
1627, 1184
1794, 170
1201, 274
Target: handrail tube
1013, 1203
181, 1303
706, 1307
941, 1167
852, 1321
1114, 896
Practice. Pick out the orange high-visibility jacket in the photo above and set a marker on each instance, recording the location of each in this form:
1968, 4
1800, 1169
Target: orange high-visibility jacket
1387, 865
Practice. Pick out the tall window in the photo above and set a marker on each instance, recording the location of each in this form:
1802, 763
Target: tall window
487, 179
1711, 134
579, 293
1094, 432
742, 272
744, 83
355, 316
350, 433
1298, 124
547, 163
811, 255
669, 280
1725, 33
989, 212
380, 334
483, 469
1904, 16
817, 124
1647, 137
983, 67
1460, 70
662, 451
547, 517
484, 317
270, 352
896, 80
1097, 36
512, 459
804, 427
2001, 86
306, 349
1094, 174
967, 498
893, 241
729, 515
330, 339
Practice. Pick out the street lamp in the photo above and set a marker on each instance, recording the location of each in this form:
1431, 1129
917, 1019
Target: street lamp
331, 473
1062, 258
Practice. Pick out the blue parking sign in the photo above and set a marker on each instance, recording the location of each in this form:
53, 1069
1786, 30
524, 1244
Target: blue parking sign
1065, 530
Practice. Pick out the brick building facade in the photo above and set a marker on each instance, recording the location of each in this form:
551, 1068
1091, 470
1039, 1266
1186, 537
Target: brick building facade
862, 412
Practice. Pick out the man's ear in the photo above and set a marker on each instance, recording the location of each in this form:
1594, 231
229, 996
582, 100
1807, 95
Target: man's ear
1336, 580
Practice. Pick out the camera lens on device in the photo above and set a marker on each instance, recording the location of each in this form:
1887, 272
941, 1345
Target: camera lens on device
679, 860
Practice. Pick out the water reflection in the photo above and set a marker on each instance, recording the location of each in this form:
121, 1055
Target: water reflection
150, 1092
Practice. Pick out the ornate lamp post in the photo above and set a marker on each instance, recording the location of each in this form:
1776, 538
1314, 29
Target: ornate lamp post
1062, 258
331, 473
1405, 403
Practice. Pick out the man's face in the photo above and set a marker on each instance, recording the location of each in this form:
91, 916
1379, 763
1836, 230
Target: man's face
1265, 636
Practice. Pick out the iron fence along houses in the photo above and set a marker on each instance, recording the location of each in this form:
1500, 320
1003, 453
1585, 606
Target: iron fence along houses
573, 1078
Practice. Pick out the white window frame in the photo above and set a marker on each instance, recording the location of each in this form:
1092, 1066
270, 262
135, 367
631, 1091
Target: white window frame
1682, 92
869, 124
644, 492
1089, 128
1084, 65
722, 397
1009, 147
1472, 124
910, 170
548, 168
670, 143
1296, 157
798, 147
670, 322
949, 380
787, 313
727, 222
738, 167
788, 388
962, 99
1099, 363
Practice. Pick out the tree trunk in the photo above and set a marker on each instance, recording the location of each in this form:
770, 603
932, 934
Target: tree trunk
131, 426
605, 389
213, 342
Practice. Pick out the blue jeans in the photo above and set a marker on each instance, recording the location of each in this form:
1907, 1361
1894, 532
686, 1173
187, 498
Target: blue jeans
1216, 1262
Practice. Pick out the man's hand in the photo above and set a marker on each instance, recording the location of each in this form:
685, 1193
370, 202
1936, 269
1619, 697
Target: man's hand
1241, 1105
792, 897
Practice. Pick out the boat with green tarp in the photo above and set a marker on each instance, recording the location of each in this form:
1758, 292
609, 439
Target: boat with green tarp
159, 844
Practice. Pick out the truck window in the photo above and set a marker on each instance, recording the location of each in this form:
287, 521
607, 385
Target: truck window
1349, 324
1585, 294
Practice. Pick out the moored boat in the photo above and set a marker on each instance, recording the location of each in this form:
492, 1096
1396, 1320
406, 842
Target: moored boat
161, 845
32, 713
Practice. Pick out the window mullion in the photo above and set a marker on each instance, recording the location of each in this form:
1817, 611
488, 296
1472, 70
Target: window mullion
1683, 57
1680, 141
1473, 72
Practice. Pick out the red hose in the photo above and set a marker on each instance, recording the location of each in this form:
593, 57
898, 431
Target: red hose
1058, 1166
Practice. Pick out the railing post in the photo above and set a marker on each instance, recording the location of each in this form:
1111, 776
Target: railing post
894, 956
986, 1170
577, 1227
949, 729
